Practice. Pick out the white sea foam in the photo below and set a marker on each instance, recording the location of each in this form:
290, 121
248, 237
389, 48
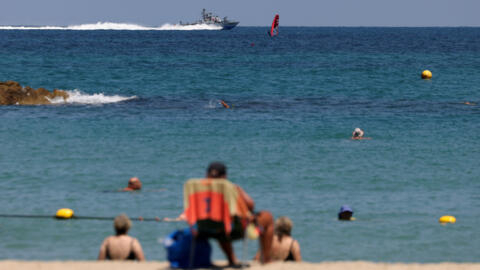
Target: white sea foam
77, 97
8, 27
212, 104
115, 26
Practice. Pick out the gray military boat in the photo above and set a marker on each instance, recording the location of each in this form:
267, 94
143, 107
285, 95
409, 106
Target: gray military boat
210, 19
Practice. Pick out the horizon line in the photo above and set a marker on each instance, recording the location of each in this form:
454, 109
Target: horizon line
259, 26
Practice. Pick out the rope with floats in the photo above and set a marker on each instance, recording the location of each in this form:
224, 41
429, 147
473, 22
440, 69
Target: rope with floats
66, 213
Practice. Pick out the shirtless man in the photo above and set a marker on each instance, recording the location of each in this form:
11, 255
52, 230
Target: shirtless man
121, 246
133, 184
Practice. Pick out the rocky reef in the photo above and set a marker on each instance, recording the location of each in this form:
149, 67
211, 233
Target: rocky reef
12, 93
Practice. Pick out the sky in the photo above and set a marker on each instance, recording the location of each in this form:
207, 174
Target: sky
248, 12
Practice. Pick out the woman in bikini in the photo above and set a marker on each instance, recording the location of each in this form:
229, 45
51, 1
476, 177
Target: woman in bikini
121, 246
284, 247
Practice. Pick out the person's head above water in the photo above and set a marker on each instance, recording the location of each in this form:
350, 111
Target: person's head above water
345, 213
122, 224
216, 170
133, 184
357, 133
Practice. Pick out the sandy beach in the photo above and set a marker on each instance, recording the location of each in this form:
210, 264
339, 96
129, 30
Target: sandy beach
157, 265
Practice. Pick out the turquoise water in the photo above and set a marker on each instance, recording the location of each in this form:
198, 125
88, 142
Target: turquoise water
146, 105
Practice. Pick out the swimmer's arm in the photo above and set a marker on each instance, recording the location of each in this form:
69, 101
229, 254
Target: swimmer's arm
102, 254
181, 217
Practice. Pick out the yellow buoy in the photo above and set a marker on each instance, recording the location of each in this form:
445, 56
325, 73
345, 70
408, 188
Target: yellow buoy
447, 219
426, 74
64, 213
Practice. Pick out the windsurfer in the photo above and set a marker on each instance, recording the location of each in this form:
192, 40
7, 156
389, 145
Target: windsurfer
274, 29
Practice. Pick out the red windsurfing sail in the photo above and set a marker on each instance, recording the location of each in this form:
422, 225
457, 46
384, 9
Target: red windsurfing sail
274, 29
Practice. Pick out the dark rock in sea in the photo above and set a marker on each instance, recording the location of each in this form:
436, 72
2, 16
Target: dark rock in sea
12, 93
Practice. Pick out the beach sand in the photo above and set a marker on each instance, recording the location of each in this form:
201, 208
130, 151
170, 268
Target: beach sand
156, 265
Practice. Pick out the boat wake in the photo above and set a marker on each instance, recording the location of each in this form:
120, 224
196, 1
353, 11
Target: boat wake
168, 26
116, 26
78, 97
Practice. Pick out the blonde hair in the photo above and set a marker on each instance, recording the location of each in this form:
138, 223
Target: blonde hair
122, 224
283, 226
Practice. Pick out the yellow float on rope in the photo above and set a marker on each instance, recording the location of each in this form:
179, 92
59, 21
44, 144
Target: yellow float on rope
64, 213
426, 74
447, 219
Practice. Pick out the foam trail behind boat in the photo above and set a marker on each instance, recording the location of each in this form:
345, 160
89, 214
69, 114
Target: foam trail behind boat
116, 26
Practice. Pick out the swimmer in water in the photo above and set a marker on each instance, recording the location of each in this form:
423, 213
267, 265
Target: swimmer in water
469, 103
357, 134
133, 184
224, 104
346, 213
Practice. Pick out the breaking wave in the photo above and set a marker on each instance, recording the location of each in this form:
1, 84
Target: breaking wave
77, 97
116, 26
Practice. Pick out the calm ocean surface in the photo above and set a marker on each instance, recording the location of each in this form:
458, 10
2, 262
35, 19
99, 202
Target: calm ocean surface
296, 99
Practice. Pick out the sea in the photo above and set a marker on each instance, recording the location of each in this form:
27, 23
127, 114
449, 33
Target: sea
145, 102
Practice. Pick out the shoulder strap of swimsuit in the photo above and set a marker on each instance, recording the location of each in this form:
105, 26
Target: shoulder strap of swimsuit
291, 245
107, 249
107, 253
132, 255
290, 253
131, 245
